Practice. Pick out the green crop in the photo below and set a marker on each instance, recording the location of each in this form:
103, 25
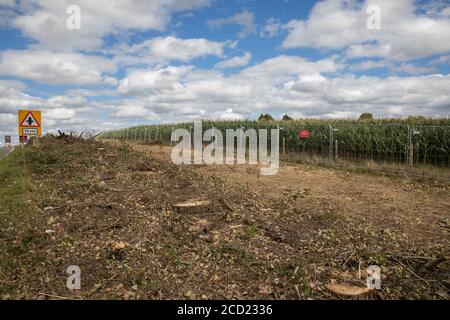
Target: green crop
383, 140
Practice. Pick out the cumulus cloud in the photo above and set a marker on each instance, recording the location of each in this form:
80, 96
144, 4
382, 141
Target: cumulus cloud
135, 110
73, 101
55, 68
244, 19
286, 84
7, 12
56, 111
393, 96
162, 50
152, 81
284, 68
271, 28
12, 97
46, 20
235, 62
393, 68
405, 34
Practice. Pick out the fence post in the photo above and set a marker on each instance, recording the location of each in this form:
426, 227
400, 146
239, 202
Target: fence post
410, 161
331, 142
411, 158
284, 146
336, 150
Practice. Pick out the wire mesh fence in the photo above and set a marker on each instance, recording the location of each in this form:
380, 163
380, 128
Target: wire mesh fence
393, 147
430, 146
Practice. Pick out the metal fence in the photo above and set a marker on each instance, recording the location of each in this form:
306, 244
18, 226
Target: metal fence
385, 147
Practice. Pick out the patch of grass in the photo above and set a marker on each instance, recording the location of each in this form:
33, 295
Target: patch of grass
18, 219
289, 270
172, 255
13, 185
241, 257
249, 232
294, 273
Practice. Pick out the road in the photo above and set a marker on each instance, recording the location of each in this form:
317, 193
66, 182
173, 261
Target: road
4, 151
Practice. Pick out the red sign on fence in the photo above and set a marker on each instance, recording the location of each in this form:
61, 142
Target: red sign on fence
304, 134
23, 139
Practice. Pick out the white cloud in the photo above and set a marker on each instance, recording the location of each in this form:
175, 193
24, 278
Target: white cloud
394, 68
135, 110
235, 62
55, 68
7, 3
285, 68
393, 96
12, 97
228, 115
152, 81
285, 84
67, 101
59, 114
271, 28
46, 20
280, 85
404, 35
412, 69
162, 50
56, 110
7, 12
441, 60
245, 19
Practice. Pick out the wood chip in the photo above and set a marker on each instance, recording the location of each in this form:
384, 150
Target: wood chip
192, 204
347, 290
118, 245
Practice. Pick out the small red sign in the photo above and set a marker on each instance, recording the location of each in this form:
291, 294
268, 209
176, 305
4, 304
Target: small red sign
23, 139
304, 134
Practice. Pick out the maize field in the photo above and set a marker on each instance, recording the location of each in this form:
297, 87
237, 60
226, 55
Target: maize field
409, 142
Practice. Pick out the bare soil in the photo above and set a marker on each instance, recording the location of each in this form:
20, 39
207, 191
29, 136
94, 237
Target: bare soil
111, 209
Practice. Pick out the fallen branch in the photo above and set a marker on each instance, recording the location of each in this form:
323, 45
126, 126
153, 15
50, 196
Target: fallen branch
92, 138
433, 264
57, 297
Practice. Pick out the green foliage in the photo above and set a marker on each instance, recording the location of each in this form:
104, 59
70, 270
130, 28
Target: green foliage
265, 118
13, 185
381, 140
366, 117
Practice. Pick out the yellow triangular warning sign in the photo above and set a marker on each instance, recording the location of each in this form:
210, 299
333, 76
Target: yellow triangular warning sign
30, 121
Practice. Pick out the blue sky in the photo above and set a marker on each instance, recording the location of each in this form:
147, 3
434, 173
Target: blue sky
162, 61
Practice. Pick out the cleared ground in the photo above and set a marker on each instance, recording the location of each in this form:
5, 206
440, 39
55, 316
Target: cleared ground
112, 210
